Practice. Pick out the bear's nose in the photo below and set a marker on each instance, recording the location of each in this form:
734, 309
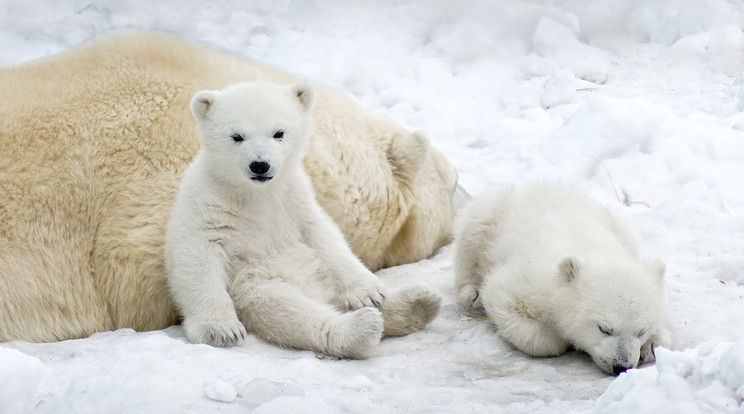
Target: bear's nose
619, 369
259, 167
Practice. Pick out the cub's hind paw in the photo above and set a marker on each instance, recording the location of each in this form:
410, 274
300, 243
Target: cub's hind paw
410, 309
355, 334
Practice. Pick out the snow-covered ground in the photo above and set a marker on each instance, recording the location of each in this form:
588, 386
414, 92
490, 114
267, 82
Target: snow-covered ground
639, 101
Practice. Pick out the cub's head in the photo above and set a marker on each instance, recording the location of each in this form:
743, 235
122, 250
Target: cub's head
616, 311
252, 131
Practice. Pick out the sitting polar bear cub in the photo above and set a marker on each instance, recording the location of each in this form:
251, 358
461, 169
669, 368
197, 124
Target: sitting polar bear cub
553, 269
248, 246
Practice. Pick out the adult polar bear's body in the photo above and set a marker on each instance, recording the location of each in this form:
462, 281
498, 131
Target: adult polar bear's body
94, 142
553, 269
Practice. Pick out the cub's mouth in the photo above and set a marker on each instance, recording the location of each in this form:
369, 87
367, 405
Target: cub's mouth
261, 178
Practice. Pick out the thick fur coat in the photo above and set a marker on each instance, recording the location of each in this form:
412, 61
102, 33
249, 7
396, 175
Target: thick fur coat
93, 144
553, 269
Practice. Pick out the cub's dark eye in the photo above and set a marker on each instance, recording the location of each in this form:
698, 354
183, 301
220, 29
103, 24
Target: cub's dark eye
641, 333
605, 330
236, 137
279, 134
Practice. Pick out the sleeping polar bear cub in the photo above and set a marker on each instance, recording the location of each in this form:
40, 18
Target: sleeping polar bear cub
553, 269
248, 246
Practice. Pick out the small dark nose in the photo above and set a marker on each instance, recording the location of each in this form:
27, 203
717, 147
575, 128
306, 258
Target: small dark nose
618, 369
259, 167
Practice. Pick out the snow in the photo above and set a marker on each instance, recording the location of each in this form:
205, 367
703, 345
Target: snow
221, 391
19, 379
639, 101
707, 379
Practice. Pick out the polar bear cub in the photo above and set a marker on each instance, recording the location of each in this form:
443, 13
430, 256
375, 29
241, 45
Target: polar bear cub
248, 246
552, 269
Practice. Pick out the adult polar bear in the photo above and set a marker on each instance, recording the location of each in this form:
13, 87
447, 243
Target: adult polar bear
93, 143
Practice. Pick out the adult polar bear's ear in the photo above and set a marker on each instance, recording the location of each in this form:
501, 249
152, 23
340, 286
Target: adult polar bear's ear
304, 94
570, 267
200, 104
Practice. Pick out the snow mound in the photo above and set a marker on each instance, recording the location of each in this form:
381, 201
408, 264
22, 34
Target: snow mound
609, 128
20, 376
260, 391
219, 390
554, 40
298, 405
706, 379
667, 21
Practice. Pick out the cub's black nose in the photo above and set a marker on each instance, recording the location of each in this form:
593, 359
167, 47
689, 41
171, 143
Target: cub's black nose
618, 369
259, 167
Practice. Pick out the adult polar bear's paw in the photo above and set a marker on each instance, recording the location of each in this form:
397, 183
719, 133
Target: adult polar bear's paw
222, 333
355, 334
409, 310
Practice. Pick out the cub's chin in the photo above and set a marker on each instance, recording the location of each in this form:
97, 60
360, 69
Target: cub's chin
261, 178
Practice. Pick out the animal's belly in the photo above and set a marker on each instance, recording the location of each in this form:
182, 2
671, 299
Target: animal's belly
298, 265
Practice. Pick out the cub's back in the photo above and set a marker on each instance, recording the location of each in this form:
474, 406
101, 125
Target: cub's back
551, 221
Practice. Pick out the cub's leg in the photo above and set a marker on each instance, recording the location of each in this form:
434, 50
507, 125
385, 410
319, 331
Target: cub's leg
475, 230
470, 265
197, 284
515, 322
409, 310
353, 284
282, 314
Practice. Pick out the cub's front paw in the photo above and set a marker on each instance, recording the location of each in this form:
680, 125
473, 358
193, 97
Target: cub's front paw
364, 291
222, 333
469, 297
647, 353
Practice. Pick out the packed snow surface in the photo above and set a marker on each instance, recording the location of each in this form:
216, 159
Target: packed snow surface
639, 103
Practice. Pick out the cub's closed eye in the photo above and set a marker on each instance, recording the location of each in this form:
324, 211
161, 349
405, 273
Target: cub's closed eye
279, 134
605, 330
236, 137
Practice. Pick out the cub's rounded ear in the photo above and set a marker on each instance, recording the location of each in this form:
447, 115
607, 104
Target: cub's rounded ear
570, 267
201, 103
304, 94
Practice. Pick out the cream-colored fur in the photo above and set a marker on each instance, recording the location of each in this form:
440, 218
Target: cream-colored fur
93, 143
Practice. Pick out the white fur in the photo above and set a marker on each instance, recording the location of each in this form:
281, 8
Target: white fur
552, 269
264, 255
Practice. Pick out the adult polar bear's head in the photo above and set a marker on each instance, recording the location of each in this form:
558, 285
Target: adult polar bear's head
252, 130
